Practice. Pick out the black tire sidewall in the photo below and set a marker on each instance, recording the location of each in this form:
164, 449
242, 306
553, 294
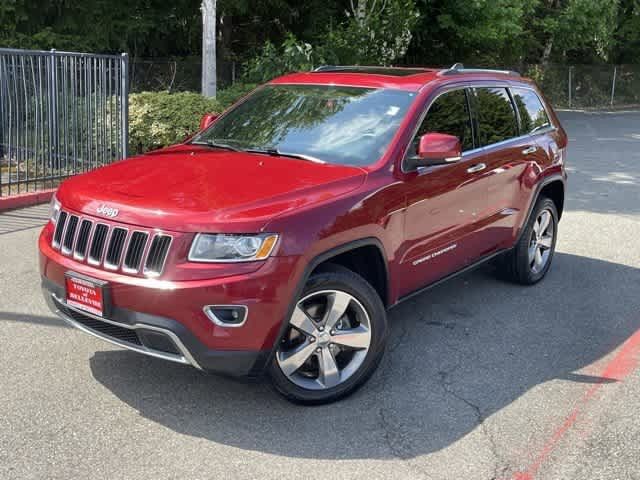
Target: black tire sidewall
525, 274
353, 284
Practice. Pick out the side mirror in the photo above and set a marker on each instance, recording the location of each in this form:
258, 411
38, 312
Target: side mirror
436, 149
207, 120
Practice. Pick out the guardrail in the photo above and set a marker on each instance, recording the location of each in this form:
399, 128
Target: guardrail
61, 113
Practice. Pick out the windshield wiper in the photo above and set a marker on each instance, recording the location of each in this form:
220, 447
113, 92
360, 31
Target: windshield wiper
277, 153
214, 144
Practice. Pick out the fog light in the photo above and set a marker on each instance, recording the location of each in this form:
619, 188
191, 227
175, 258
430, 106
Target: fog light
226, 315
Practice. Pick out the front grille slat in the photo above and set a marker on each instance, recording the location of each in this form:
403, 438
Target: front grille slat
135, 250
111, 246
157, 254
69, 235
57, 236
116, 245
83, 239
97, 245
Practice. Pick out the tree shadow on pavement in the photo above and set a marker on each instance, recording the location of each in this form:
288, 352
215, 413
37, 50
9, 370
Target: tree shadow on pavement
457, 354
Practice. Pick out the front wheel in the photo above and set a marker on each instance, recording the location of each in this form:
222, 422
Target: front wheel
334, 341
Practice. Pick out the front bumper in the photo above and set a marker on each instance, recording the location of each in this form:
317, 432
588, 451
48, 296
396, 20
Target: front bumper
155, 336
165, 318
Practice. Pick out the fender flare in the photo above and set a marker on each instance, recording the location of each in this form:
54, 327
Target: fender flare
310, 267
556, 177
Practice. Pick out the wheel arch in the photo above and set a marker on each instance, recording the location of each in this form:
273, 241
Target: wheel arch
552, 186
324, 259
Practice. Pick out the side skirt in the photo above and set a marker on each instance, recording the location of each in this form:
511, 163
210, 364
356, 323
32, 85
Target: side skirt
466, 269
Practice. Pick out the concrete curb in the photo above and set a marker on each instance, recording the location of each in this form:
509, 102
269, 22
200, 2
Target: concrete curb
26, 199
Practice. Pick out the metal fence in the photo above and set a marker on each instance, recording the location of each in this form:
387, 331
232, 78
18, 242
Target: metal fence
588, 86
61, 113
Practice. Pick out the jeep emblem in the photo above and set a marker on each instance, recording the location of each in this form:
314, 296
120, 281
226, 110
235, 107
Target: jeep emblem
107, 211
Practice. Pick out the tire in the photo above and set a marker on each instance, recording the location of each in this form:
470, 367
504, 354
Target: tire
517, 265
315, 380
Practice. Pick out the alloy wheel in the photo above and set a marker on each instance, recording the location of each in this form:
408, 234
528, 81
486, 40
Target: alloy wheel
327, 341
541, 241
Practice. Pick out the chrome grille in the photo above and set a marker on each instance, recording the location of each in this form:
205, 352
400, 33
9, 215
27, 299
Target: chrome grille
97, 244
132, 259
70, 234
112, 247
57, 236
116, 245
83, 240
157, 254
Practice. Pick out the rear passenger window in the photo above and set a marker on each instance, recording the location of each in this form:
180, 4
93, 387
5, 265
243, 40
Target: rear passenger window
533, 116
496, 116
449, 113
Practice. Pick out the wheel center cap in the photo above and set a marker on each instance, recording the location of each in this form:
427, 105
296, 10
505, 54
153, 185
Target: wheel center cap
324, 338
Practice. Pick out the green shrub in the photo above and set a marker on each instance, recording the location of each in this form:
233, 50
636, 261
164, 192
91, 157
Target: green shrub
158, 119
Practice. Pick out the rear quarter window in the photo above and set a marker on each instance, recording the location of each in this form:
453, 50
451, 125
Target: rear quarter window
496, 115
533, 116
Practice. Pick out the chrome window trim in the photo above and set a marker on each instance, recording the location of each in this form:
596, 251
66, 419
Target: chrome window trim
186, 357
211, 316
116, 266
476, 84
151, 273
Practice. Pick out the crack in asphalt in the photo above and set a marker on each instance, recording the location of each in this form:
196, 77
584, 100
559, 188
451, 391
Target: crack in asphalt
501, 466
394, 443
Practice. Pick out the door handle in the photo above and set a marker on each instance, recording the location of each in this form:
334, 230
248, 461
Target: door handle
476, 168
531, 149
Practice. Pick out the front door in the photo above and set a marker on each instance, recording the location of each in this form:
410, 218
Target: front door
444, 202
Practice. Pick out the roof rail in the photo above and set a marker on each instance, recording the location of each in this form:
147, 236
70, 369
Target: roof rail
327, 68
458, 68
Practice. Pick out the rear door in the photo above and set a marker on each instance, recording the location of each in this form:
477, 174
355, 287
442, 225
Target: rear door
508, 150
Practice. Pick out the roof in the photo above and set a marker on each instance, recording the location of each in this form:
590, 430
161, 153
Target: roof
410, 79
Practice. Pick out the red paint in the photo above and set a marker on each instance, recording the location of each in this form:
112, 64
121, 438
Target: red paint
439, 146
625, 361
450, 216
28, 199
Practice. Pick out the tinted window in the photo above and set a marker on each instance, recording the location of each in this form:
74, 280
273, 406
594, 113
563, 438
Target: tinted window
532, 114
334, 124
449, 114
496, 117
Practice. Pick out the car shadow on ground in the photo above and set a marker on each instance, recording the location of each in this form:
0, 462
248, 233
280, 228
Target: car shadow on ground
457, 354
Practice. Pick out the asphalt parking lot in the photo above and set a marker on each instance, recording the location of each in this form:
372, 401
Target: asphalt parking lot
482, 380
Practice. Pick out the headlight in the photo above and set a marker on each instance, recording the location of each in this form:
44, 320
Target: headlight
54, 209
231, 248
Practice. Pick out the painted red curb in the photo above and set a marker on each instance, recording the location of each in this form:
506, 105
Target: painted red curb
624, 362
25, 199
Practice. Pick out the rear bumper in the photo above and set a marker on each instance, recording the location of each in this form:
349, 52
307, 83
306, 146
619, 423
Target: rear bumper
155, 336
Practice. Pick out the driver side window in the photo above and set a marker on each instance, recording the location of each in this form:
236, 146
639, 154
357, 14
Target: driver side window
449, 114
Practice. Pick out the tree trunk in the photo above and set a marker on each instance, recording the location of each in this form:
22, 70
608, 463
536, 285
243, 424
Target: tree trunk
209, 83
546, 53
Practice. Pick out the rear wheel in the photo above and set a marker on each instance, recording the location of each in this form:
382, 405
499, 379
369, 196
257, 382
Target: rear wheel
530, 259
335, 339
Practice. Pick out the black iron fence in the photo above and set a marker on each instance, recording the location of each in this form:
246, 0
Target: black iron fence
61, 113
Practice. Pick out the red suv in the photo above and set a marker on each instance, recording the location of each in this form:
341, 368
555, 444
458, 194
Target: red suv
275, 239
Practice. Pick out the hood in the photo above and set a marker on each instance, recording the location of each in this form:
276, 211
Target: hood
191, 189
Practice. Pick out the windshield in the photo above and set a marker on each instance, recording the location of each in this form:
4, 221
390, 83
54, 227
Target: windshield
328, 123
